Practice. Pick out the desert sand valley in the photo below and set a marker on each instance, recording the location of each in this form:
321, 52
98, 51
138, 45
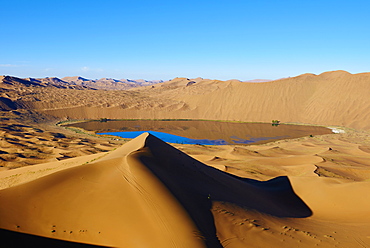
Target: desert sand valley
67, 187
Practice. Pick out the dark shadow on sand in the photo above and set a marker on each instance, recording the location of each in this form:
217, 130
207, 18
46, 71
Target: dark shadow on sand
196, 185
10, 239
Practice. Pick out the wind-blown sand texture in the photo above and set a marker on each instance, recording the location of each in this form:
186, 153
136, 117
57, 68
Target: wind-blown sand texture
24, 144
64, 189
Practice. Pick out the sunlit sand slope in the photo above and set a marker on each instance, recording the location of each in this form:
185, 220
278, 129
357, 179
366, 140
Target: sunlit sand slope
144, 194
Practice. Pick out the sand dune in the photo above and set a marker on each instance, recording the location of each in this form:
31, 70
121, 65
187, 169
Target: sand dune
142, 191
150, 194
77, 190
104, 203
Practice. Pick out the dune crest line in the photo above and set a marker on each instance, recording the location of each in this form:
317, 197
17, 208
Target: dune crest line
142, 190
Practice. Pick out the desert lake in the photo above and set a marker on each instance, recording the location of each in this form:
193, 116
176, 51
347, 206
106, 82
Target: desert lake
202, 132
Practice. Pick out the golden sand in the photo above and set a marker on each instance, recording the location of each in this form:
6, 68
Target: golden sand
302, 192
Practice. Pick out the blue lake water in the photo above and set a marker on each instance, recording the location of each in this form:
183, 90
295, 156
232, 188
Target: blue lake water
202, 132
168, 138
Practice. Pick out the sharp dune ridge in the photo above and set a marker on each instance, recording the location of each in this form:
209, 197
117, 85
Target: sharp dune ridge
182, 175
60, 188
102, 198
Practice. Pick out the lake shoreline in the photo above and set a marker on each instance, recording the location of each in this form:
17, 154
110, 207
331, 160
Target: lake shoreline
230, 133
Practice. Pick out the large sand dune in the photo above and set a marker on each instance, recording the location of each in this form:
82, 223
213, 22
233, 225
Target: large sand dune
77, 190
143, 194
149, 194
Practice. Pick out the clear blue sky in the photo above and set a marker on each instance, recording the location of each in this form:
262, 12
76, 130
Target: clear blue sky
218, 39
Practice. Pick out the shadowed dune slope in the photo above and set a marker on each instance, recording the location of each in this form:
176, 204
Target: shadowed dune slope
144, 194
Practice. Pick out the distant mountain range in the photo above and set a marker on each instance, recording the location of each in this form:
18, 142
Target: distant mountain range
99, 84
9, 82
109, 83
84, 83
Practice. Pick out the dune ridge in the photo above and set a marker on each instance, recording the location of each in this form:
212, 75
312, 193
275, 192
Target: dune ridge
99, 204
145, 181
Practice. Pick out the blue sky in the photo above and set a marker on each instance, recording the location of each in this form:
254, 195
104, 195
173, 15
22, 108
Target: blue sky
216, 39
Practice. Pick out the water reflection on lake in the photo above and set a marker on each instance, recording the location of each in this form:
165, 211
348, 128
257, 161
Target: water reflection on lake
203, 132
